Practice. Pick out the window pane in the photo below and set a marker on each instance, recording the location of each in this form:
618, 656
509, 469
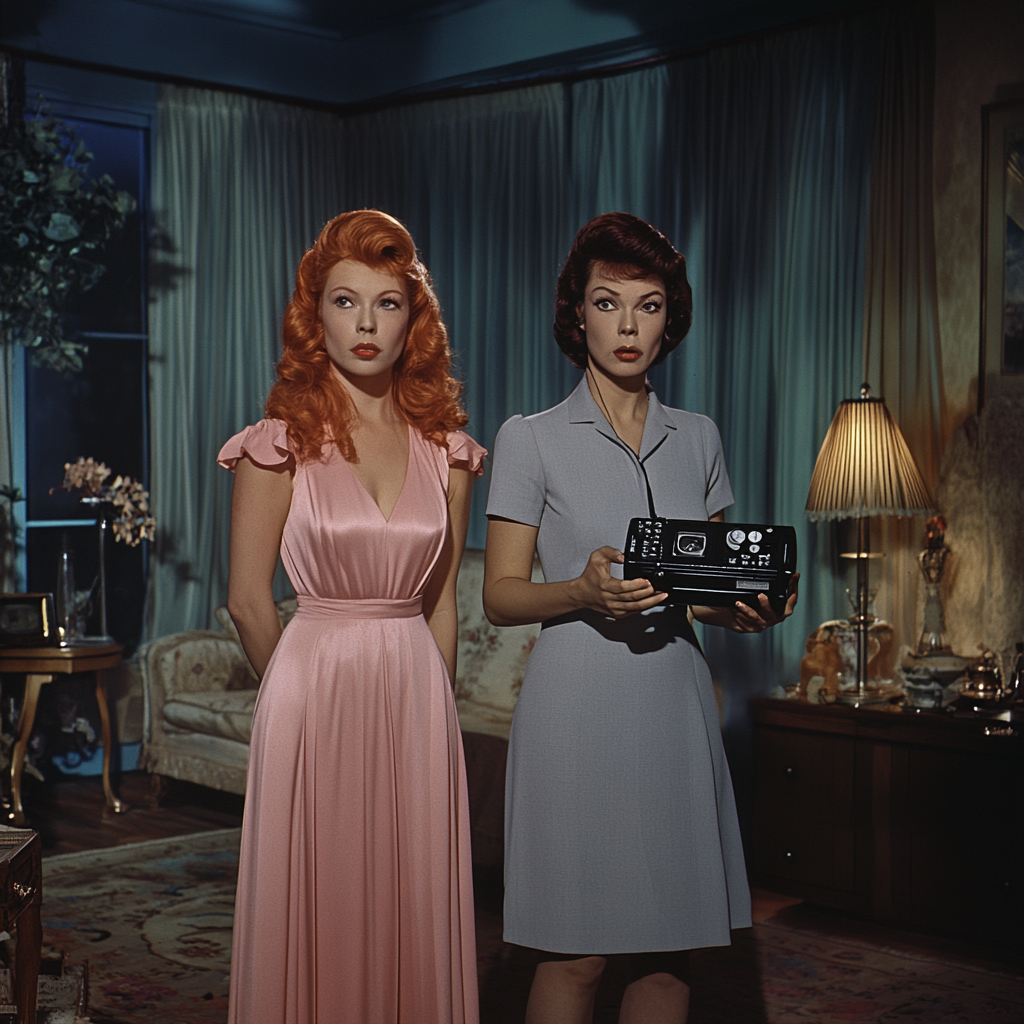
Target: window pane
97, 413
115, 303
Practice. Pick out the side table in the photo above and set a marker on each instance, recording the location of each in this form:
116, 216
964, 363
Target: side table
21, 893
41, 665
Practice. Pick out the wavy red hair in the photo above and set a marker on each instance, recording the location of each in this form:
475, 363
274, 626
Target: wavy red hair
308, 396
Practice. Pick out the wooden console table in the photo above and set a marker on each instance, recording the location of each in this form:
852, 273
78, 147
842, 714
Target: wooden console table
915, 819
41, 665
21, 893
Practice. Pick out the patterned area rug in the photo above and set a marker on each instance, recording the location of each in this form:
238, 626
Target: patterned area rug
792, 970
154, 921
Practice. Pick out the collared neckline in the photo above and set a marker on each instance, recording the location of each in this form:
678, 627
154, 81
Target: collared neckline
583, 409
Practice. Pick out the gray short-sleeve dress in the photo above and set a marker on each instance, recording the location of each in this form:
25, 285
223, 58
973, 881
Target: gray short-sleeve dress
620, 823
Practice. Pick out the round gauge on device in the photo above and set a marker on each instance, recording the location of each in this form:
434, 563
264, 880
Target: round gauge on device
734, 538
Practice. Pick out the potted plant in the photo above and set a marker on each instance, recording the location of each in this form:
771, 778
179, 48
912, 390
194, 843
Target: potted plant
54, 222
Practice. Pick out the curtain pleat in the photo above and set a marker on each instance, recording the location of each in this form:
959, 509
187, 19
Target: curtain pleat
754, 159
240, 187
902, 360
769, 155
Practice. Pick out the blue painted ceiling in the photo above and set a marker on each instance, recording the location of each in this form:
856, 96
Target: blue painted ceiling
352, 51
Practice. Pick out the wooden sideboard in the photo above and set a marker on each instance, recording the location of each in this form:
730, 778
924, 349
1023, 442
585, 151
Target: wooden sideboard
911, 819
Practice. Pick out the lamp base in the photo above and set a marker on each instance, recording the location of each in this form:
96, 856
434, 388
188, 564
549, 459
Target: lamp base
868, 695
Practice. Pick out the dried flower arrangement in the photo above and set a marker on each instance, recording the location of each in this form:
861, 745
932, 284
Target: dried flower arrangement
129, 497
935, 532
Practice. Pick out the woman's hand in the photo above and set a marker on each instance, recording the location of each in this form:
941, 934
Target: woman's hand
743, 619
598, 590
511, 599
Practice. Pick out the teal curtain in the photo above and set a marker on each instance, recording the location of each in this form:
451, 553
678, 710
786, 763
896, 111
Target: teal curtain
754, 159
240, 187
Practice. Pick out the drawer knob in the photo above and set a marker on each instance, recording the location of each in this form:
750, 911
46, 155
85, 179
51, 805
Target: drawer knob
790, 771
790, 855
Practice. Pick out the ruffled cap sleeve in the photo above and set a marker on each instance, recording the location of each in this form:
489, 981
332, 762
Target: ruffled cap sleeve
465, 453
266, 443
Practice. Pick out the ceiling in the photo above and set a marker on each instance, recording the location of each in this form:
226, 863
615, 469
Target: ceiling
353, 51
339, 17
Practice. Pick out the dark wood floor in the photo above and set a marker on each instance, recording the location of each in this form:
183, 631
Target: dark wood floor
71, 815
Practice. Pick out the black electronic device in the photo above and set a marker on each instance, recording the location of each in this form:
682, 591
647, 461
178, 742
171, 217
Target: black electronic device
700, 562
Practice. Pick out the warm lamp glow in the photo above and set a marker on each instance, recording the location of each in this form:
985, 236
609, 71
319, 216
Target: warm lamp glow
864, 467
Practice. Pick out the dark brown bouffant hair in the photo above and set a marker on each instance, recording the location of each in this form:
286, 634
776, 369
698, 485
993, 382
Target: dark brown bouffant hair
307, 396
626, 247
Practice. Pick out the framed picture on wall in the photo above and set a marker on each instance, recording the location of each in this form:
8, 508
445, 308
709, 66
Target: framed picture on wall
1002, 313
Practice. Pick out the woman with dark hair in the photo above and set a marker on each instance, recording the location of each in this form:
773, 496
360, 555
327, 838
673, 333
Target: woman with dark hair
621, 832
355, 894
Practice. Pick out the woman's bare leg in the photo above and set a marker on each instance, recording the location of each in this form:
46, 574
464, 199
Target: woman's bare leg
655, 999
563, 991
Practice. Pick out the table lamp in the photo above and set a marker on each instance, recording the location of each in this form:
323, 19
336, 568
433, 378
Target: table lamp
865, 469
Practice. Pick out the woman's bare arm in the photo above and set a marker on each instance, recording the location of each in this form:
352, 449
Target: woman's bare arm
510, 599
260, 502
440, 606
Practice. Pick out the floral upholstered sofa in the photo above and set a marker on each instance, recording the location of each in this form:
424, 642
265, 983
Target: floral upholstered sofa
199, 693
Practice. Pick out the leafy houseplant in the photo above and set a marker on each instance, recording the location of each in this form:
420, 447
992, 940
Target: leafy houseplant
54, 221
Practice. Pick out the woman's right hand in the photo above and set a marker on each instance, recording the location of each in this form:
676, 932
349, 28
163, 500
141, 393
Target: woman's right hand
512, 599
598, 590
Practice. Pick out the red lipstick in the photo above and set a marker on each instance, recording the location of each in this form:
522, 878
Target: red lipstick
365, 350
627, 354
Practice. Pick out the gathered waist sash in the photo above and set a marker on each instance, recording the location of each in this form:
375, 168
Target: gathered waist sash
372, 608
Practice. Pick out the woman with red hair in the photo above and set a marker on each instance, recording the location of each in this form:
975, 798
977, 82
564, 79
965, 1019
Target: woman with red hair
355, 898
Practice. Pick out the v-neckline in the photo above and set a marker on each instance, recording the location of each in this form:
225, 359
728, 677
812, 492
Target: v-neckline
405, 479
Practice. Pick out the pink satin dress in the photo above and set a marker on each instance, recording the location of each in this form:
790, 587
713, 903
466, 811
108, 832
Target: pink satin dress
355, 890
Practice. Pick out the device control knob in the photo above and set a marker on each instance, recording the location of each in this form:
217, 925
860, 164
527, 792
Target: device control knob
755, 537
754, 547
735, 538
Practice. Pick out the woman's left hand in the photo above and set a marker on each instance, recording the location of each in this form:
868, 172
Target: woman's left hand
743, 619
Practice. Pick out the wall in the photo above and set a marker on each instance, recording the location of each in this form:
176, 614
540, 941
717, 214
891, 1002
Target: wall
979, 60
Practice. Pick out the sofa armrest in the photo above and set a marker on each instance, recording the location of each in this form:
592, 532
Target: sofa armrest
192, 662
491, 660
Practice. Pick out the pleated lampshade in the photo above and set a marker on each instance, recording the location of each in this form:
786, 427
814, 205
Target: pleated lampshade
864, 467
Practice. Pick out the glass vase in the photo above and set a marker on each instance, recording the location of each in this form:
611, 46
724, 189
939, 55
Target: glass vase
933, 635
65, 595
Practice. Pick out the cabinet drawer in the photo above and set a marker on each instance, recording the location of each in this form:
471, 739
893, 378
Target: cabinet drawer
956, 830
804, 808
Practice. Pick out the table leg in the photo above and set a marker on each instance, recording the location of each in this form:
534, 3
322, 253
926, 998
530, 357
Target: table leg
26, 962
33, 684
117, 805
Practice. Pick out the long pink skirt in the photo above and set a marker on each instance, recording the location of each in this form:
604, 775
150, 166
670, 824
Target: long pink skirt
355, 895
